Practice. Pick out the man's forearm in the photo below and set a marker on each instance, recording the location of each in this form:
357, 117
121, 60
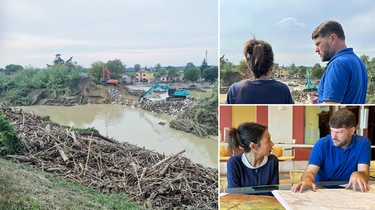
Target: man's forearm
307, 175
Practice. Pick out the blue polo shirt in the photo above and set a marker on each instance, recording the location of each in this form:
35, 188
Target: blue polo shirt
345, 79
338, 164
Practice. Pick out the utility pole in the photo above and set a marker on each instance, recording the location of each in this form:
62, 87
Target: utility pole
206, 58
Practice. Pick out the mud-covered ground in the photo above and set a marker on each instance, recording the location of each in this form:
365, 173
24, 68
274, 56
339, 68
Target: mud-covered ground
87, 92
299, 96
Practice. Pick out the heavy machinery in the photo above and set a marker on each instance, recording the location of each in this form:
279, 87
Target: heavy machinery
107, 80
173, 93
309, 86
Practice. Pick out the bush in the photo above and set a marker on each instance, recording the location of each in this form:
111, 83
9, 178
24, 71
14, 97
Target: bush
10, 143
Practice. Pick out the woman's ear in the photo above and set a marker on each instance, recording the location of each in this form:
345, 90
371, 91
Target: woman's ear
271, 68
253, 146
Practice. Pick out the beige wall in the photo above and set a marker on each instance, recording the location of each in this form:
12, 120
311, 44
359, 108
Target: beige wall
280, 123
311, 124
242, 114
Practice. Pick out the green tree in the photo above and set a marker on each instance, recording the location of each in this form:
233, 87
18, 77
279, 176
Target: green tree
158, 67
317, 65
203, 66
137, 67
116, 67
242, 67
226, 68
276, 66
371, 77
210, 74
302, 69
192, 74
13, 68
370, 67
96, 71
173, 72
189, 66
317, 72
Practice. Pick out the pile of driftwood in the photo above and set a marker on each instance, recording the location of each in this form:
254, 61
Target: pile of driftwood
200, 120
300, 96
147, 177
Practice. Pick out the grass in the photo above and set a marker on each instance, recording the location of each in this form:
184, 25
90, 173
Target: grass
22, 187
199, 95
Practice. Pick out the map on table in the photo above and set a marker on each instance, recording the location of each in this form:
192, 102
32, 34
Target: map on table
335, 199
242, 201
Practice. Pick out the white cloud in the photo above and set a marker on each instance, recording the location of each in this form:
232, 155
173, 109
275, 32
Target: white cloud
290, 23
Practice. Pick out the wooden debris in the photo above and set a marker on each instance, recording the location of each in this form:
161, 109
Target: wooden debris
105, 165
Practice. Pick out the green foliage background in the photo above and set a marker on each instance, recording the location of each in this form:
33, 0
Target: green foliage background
57, 79
10, 143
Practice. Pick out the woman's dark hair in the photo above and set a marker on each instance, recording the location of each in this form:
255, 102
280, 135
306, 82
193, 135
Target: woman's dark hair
245, 134
259, 56
342, 118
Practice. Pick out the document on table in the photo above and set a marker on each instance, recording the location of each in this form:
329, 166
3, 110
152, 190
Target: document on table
336, 199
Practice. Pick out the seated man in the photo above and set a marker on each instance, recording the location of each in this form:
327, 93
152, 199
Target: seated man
340, 156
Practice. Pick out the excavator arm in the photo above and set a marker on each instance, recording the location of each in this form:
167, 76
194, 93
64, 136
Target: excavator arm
108, 80
173, 93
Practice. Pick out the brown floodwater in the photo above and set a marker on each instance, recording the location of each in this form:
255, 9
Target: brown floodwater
135, 126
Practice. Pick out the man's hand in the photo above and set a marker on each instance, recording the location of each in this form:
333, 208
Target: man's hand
356, 179
300, 186
311, 100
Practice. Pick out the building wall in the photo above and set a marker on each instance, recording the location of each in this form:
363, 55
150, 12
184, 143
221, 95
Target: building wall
242, 114
311, 124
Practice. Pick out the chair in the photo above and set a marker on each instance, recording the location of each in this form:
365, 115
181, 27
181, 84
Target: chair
295, 175
278, 152
223, 182
372, 169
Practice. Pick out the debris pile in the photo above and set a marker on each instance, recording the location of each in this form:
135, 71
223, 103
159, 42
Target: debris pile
148, 178
200, 119
299, 96
173, 108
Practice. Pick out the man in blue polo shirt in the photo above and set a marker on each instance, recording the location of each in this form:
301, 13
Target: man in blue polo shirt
345, 78
340, 156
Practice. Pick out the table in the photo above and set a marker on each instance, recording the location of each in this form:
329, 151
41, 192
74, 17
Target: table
301, 145
255, 198
295, 145
242, 201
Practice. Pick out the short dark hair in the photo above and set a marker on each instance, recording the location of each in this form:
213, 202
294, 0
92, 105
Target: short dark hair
244, 135
259, 56
327, 28
342, 118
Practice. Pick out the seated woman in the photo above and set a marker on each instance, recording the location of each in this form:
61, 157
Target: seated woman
256, 165
261, 89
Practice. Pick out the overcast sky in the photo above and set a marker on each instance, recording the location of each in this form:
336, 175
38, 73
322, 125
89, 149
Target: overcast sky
144, 32
287, 25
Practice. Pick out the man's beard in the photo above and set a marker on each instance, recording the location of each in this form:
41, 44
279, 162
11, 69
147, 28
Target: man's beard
327, 54
342, 142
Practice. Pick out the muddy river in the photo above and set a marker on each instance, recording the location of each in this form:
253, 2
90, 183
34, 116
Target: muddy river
135, 126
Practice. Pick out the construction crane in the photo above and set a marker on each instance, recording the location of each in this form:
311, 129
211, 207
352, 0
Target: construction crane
107, 80
309, 86
173, 93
